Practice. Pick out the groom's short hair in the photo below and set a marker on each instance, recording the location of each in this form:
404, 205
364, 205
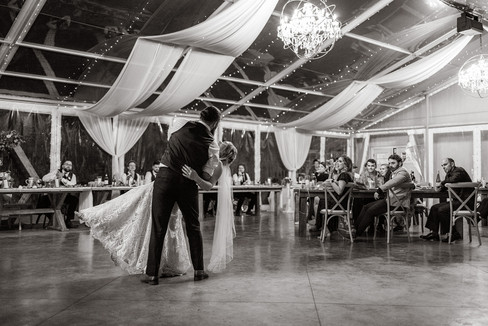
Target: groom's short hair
210, 114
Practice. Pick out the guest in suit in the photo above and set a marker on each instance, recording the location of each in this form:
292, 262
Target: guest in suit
191, 145
440, 214
151, 175
67, 178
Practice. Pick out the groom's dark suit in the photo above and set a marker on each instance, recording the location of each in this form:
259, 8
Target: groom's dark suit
189, 145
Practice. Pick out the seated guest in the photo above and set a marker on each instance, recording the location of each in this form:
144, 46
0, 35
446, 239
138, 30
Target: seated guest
440, 214
321, 175
242, 178
344, 167
151, 175
131, 178
315, 167
384, 175
369, 177
67, 178
399, 176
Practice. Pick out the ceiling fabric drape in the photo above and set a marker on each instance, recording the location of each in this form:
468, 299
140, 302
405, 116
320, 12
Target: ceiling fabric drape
190, 80
293, 148
115, 136
147, 67
358, 95
215, 43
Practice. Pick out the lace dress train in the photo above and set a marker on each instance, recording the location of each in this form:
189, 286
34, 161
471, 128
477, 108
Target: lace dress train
123, 226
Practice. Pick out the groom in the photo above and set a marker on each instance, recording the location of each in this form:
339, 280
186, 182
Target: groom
193, 145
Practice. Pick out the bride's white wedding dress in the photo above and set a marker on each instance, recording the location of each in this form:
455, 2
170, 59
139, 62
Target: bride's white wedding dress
123, 226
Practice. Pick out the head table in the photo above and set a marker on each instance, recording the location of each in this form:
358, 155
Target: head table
91, 196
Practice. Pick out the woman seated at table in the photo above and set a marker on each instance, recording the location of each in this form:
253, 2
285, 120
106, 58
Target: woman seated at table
321, 175
344, 167
242, 178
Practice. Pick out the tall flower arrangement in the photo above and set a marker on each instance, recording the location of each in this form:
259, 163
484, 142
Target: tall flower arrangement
10, 139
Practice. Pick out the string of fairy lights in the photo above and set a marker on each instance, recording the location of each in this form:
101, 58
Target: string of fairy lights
88, 66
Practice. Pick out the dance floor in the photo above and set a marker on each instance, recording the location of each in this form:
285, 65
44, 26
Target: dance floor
276, 278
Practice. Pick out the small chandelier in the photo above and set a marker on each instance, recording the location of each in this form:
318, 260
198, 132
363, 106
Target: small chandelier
308, 28
473, 76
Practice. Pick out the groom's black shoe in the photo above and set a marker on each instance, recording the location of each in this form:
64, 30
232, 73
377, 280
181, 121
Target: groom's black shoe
153, 280
200, 275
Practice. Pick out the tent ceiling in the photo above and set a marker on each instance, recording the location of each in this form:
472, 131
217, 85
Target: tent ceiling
48, 47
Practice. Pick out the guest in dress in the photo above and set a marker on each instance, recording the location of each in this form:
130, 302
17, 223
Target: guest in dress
321, 175
242, 178
344, 168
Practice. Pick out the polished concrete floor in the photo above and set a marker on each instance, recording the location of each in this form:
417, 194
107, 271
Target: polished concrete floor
277, 278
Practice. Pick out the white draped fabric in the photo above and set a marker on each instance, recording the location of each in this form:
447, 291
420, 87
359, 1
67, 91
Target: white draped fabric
147, 67
230, 32
423, 68
226, 34
190, 80
115, 136
293, 148
342, 108
358, 95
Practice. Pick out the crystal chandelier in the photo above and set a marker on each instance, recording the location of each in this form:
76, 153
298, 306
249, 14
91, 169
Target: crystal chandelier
308, 28
473, 76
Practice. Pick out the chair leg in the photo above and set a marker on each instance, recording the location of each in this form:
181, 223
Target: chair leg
375, 225
324, 226
407, 225
388, 226
450, 229
469, 229
350, 229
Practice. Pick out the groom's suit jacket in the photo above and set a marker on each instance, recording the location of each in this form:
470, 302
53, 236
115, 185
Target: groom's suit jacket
188, 145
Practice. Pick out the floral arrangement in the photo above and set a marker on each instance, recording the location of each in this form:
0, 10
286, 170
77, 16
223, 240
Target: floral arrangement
10, 139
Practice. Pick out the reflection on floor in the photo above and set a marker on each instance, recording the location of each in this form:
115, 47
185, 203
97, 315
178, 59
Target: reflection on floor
276, 278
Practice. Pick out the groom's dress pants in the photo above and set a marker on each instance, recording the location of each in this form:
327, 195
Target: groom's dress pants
170, 188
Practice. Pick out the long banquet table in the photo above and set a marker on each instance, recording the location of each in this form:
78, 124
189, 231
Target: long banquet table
301, 195
274, 189
91, 196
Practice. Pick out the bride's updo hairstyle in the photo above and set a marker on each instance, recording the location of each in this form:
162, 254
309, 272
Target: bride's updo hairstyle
228, 152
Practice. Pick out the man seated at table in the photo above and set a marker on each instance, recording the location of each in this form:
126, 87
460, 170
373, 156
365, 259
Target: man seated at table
242, 178
66, 178
440, 214
151, 175
399, 176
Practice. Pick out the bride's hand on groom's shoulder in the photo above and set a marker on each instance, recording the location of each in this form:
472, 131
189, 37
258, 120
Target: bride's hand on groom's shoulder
188, 172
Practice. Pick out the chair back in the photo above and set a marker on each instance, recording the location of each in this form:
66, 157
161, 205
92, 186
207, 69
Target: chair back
392, 196
468, 205
336, 205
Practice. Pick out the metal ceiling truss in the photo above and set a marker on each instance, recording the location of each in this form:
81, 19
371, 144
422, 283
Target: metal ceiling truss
21, 25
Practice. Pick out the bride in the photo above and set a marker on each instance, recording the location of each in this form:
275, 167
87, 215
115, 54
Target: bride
123, 225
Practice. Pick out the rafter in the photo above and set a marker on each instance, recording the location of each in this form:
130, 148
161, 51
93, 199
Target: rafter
22, 24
